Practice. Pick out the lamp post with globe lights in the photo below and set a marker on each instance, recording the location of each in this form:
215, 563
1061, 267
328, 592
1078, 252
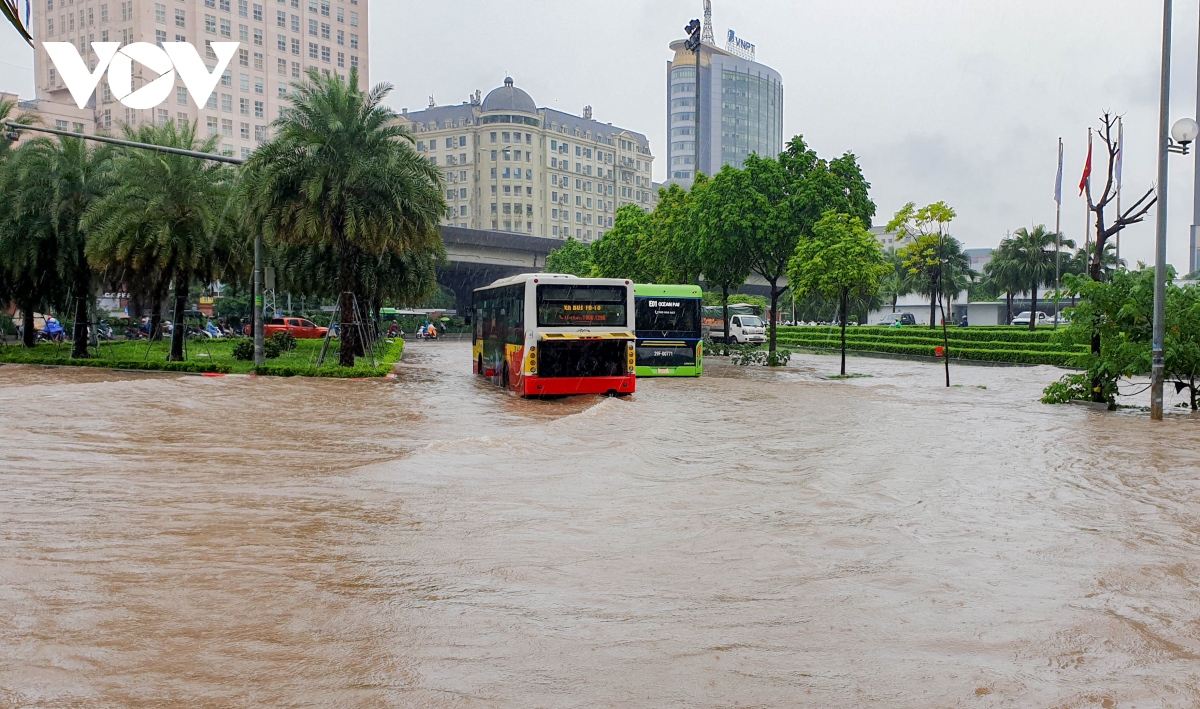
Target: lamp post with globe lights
1176, 140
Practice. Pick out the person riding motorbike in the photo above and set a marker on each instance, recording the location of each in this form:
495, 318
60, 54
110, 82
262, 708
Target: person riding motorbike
53, 330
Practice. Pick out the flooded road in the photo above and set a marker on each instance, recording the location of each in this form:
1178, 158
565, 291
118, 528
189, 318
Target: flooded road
756, 538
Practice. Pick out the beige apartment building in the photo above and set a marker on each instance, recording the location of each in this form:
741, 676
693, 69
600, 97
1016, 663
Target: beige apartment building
511, 166
280, 40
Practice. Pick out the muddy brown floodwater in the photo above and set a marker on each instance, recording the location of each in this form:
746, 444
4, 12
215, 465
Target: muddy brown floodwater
756, 538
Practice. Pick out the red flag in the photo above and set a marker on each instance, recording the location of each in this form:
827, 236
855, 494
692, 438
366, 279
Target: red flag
1087, 171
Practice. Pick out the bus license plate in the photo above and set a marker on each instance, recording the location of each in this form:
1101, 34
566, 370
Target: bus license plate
664, 371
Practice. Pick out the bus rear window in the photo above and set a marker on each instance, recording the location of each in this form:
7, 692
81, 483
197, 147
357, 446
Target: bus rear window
582, 306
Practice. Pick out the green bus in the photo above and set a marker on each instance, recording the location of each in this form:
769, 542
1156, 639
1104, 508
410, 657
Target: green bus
669, 338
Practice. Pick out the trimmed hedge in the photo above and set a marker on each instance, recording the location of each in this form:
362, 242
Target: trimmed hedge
862, 341
101, 363
999, 354
974, 334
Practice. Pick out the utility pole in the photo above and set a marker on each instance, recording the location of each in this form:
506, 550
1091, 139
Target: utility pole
1193, 261
1158, 369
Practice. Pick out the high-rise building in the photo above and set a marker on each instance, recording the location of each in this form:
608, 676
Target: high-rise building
740, 107
511, 166
280, 40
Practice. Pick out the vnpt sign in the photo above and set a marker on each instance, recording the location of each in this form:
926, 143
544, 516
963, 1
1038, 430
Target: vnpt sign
118, 61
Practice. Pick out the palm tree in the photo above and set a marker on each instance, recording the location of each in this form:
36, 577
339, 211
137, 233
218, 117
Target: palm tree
896, 284
53, 184
341, 173
1002, 273
1032, 255
9, 9
170, 218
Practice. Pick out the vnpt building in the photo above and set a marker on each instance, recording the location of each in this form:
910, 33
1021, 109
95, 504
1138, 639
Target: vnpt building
740, 109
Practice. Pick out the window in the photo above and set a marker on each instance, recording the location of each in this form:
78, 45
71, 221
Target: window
341, 36
244, 57
210, 24
258, 37
224, 5
227, 127
258, 12
243, 33
312, 50
244, 82
341, 60
227, 78
281, 65
324, 30
354, 41
244, 131
260, 109
226, 28
258, 61
259, 85
312, 28
260, 133
160, 13
160, 36
213, 128
181, 18
212, 102
181, 95
325, 53
281, 19
243, 8
281, 43
354, 19
244, 106
227, 103
353, 60
295, 46
325, 8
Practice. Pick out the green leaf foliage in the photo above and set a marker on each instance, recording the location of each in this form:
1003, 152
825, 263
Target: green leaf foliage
572, 258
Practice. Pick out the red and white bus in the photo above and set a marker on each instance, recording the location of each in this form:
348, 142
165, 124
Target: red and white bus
547, 334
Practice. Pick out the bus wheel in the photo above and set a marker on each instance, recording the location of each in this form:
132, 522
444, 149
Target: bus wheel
504, 377
480, 370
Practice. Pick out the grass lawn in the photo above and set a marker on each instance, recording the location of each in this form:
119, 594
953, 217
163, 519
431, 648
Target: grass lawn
210, 356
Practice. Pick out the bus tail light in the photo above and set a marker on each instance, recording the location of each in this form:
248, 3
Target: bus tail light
631, 351
532, 360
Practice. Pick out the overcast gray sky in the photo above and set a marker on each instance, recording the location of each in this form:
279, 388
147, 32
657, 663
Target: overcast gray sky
955, 100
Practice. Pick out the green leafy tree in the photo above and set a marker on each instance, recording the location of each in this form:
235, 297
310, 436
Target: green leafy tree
670, 253
341, 172
723, 261
572, 257
169, 218
926, 256
619, 253
53, 183
1183, 341
841, 261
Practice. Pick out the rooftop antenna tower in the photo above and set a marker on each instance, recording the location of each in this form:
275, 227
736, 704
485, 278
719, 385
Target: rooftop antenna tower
707, 36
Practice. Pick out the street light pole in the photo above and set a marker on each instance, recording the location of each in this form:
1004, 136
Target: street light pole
1158, 369
259, 357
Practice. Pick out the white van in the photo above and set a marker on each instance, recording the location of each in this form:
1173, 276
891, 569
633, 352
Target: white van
744, 330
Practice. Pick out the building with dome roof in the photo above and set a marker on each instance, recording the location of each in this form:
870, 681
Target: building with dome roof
511, 166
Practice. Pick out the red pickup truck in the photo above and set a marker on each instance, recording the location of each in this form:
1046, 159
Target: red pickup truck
300, 328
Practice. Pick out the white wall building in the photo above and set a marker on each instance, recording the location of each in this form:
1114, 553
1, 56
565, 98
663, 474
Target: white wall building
280, 40
511, 166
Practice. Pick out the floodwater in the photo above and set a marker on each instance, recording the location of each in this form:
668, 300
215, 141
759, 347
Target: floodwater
756, 539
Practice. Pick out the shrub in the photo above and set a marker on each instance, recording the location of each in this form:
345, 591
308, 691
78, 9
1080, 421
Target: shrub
1073, 387
243, 350
271, 349
285, 340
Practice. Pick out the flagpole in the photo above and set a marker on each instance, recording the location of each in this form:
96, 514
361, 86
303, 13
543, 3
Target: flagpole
1058, 236
1120, 169
1087, 211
